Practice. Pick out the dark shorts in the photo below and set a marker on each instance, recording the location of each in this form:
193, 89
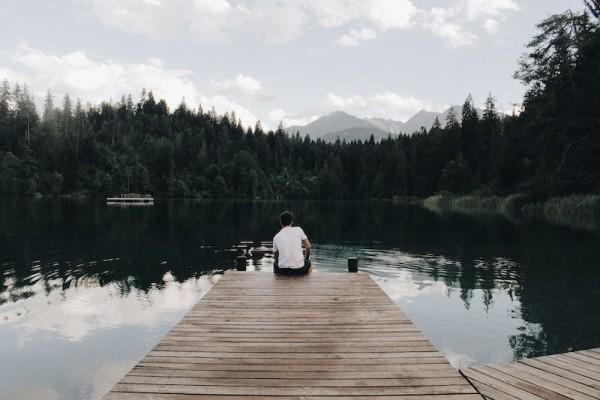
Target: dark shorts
292, 271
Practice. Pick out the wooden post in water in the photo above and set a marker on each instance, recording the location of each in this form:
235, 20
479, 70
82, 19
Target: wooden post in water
352, 264
240, 263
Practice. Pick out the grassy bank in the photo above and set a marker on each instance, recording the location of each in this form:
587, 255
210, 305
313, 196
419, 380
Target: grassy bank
581, 211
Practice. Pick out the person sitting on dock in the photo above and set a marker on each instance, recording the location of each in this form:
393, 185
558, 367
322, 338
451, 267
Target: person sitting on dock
287, 248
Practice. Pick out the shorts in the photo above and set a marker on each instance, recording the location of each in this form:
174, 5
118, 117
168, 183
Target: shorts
292, 271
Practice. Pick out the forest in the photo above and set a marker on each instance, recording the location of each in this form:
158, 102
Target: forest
550, 148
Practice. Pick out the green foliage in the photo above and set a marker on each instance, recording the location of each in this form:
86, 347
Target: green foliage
551, 148
575, 210
456, 177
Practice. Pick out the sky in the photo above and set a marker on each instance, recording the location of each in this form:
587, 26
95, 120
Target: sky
274, 60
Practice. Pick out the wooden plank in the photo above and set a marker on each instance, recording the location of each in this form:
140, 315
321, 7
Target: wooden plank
481, 379
257, 335
291, 382
366, 363
595, 363
294, 391
568, 376
580, 389
572, 365
164, 396
216, 365
589, 353
408, 372
546, 382
557, 370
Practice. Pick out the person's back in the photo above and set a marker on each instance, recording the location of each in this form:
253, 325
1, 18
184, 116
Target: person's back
287, 247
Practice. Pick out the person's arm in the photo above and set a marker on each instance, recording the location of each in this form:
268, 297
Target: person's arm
306, 247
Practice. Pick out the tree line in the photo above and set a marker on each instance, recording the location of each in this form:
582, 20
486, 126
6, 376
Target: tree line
549, 148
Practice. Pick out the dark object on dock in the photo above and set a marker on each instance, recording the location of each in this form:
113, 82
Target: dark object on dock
352, 264
218, 272
240, 263
573, 375
259, 335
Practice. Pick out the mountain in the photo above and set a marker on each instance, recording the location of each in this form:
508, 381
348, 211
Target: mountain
421, 119
334, 122
387, 125
342, 125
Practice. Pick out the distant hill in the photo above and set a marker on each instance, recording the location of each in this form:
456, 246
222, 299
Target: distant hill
335, 122
342, 125
387, 125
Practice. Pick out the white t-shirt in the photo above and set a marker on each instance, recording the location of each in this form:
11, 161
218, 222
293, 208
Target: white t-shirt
288, 242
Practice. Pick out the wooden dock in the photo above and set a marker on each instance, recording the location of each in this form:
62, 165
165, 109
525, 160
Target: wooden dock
322, 336
566, 376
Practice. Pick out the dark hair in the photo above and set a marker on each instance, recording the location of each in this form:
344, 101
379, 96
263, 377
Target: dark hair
286, 218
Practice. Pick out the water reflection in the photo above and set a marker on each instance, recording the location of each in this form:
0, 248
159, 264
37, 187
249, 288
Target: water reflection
85, 290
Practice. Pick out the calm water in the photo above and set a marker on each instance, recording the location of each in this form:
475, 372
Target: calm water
86, 289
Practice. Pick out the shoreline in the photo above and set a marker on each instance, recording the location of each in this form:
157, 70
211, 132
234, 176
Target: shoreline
577, 210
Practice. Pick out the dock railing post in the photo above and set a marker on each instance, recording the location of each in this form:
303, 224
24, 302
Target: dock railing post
352, 264
240, 263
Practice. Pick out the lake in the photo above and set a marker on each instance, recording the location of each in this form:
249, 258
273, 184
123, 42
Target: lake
86, 289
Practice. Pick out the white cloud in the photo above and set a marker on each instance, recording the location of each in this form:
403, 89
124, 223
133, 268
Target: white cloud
448, 23
222, 104
354, 37
385, 104
203, 20
273, 20
481, 8
439, 22
241, 83
96, 81
391, 14
491, 25
278, 115
282, 21
91, 308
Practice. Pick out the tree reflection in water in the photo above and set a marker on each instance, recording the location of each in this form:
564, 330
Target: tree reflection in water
551, 271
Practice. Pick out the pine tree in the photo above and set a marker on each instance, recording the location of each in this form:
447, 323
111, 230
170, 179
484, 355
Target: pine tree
594, 7
67, 115
49, 116
469, 133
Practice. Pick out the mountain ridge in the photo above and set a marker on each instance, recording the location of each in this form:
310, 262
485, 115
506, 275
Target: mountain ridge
342, 125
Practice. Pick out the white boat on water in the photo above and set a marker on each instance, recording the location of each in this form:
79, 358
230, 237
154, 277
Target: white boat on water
130, 200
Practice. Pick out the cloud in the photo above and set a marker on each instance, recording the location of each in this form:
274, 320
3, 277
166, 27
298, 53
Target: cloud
354, 37
278, 115
474, 9
271, 20
491, 25
440, 24
282, 21
96, 81
92, 308
241, 83
385, 104
391, 14
448, 23
222, 104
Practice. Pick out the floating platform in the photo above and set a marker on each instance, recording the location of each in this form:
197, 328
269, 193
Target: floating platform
256, 335
574, 376
130, 201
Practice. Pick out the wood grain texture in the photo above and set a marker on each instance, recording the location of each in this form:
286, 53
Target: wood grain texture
321, 336
568, 376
